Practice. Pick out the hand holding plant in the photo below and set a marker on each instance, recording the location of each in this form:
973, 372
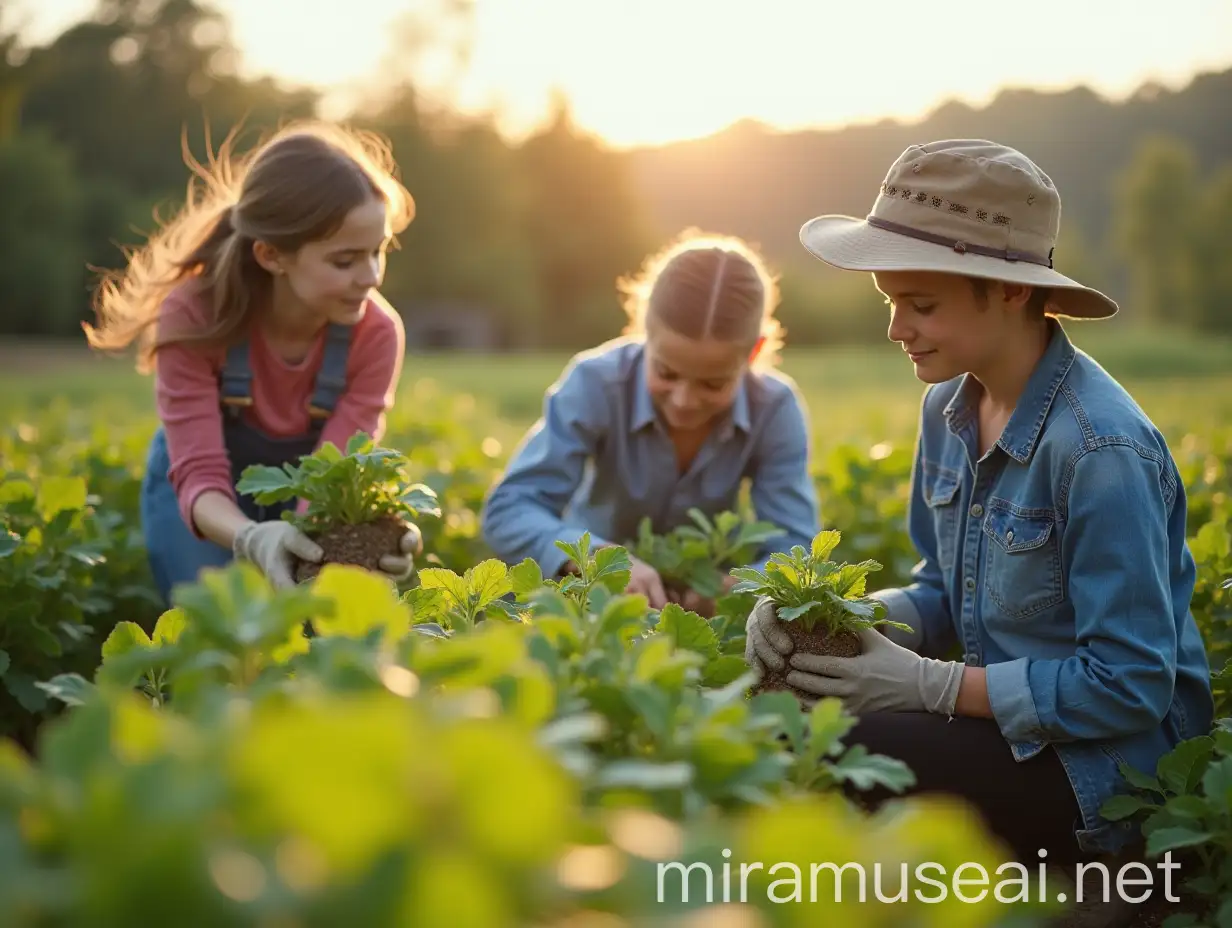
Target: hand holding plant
817, 604
359, 506
274, 548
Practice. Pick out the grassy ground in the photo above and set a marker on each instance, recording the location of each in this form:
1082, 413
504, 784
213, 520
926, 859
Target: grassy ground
852, 393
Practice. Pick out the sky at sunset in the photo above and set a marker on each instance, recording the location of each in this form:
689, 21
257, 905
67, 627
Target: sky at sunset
651, 71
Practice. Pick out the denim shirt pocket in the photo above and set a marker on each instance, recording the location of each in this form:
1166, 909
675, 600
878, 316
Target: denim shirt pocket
1023, 575
940, 492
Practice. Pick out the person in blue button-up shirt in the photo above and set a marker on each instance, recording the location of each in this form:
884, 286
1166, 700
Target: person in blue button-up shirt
674, 414
1047, 511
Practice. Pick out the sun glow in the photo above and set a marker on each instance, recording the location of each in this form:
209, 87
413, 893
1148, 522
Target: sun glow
640, 72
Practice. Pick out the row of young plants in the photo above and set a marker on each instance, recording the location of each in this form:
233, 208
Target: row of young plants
542, 753
1187, 812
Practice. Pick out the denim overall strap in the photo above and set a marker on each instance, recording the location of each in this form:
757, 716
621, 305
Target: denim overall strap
235, 381
331, 376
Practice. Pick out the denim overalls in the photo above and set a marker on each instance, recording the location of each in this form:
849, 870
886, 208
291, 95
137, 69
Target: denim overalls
176, 554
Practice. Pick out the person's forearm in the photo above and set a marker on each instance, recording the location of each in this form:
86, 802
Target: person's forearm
218, 518
973, 694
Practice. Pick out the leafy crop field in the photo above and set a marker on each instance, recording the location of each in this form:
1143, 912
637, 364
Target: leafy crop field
563, 756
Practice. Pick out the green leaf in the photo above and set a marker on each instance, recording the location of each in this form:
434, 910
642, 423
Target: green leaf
1169, 839
824, 543
525, 578
623, 615
786, 709
24, 690
1181, 769
421, 500
266, 484
170, 626
577, 551
1193, 807
70, 688
56, 494
827, 724
427, 604
124, 637
724, 670
583, 728
1217, 782
791, 613
1139, 779
362, 601
486, 581
448, 582
1124, 806
864, 771
654, 706
646, 775
688, 631
5, 661
9, 542
613, 568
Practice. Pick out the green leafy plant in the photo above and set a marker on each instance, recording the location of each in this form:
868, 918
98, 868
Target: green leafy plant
696, 557
357, 503
1185, 810
58, 594
457, 601
822, 602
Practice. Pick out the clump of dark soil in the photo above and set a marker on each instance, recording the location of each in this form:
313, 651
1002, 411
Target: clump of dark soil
361, 545
817, 640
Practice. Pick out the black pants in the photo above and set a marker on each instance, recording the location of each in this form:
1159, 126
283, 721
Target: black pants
1028, 805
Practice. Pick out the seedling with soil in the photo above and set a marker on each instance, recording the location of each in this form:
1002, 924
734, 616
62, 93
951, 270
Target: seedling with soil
822, 603
695, 557
358, 504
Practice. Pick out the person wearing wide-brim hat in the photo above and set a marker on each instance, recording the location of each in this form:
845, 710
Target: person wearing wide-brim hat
1047, 512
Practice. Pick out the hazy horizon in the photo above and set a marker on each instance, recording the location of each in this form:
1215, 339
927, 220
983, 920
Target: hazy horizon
647, 72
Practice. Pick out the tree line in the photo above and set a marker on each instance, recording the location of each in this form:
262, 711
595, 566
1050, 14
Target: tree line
534, 234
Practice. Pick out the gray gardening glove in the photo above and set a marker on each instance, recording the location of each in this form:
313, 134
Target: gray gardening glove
399, 567
273, 548
766, 645
886, 676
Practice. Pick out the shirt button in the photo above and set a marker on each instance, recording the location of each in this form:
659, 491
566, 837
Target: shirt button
970, 584
977, 510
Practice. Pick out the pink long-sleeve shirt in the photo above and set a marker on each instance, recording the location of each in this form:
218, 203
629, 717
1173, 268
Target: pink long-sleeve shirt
187, 394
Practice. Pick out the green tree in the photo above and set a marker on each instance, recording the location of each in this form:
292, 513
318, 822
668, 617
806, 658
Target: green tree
1158, 203
41, 253
1214, 234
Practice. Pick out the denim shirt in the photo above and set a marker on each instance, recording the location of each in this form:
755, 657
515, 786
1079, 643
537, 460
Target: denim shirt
1058, 561
599, 460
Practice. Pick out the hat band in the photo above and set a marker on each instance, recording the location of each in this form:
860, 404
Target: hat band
1007, 254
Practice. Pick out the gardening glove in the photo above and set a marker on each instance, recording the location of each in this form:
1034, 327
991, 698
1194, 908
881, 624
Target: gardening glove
399, 567
766, 644
886, 676
273, 548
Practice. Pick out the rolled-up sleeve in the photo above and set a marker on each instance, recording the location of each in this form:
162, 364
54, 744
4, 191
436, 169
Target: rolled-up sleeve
782, 490
1115, 558
522, 515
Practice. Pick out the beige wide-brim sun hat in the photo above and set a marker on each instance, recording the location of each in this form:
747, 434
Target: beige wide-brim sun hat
960, 206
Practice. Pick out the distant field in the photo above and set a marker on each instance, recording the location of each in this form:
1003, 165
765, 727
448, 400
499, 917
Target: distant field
853, 393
